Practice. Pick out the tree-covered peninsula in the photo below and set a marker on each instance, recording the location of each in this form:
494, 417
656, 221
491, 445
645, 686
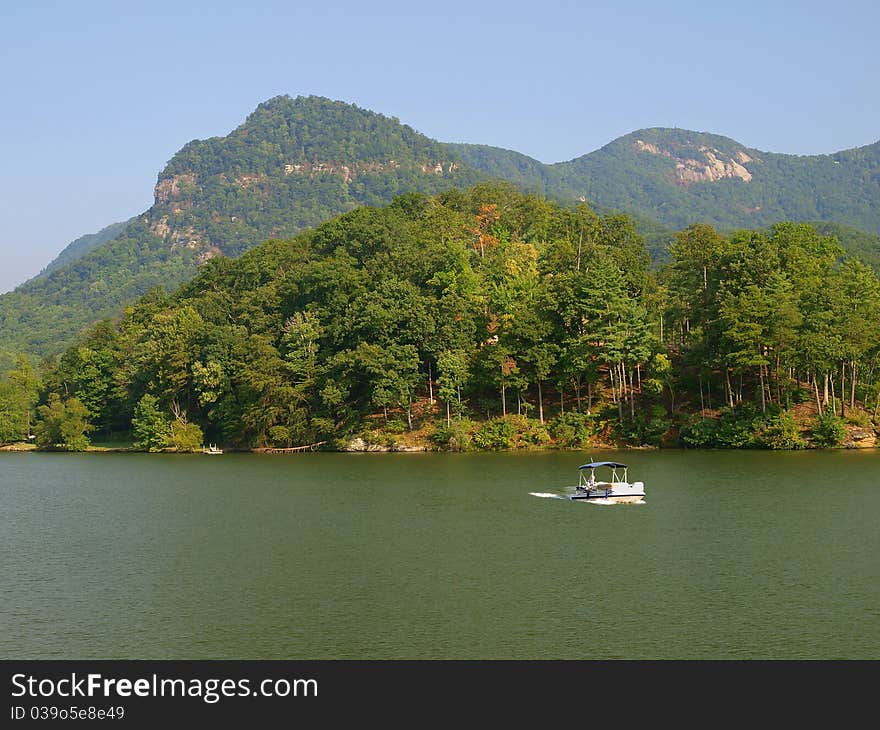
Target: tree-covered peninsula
484, 319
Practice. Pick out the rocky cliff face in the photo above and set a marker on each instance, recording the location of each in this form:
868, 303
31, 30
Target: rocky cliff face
173, 188
705, 164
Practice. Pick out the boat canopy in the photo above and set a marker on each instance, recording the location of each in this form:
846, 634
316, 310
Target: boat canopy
594, 464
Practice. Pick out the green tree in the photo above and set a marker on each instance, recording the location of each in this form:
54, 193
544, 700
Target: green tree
19, 392
63, 425
150, 427
185, 436
856, 299
453, 374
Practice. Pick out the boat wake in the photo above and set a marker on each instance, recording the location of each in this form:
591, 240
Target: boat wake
547, 495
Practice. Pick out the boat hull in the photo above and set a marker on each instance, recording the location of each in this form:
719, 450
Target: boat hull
628, 499
618, 493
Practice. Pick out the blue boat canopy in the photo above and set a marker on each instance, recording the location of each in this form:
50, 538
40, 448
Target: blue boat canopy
594, 464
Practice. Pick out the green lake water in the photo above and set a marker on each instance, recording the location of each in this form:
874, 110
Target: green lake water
735, 555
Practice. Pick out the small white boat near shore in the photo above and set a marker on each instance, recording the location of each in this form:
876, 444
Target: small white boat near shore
617, 490
212, 449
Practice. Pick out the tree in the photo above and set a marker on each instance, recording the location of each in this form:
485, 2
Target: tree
167, 350
696, 252
26, 383
453, 373
745, 318
541, 357
302, 334
856, 319
18, 398
185, 436
13, 414
150, 427
63, 425
393, 375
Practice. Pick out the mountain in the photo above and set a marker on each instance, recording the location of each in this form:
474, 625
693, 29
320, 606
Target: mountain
81, 246
294, 163
678, 177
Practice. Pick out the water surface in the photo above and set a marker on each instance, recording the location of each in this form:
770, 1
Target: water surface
432, 556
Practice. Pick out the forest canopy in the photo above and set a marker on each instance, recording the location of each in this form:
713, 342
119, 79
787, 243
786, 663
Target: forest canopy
485, 318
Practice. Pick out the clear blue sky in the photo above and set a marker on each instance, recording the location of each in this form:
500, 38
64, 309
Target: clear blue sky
97, 96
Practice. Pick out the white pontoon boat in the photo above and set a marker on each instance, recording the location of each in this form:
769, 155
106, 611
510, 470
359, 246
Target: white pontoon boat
618, 489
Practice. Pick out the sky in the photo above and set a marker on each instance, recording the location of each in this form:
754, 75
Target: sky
98, 96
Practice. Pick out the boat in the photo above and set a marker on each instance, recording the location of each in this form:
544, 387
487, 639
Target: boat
212, 449
617, 490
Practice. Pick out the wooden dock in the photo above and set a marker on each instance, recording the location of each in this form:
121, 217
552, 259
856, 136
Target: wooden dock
292, 449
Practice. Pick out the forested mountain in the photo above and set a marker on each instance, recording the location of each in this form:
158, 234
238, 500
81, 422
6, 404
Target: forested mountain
293, 164
487, 319
678, 177
297, 162
81, 246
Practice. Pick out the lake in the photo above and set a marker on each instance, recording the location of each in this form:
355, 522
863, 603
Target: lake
735, 555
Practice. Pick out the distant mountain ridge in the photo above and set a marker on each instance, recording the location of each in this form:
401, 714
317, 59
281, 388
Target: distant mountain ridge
297, 162
81, 246
678, 177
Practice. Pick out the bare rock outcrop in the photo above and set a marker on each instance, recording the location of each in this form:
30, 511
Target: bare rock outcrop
714, 165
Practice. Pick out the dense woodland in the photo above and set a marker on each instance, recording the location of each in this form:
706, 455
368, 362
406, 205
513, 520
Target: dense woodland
483, 318
295, 163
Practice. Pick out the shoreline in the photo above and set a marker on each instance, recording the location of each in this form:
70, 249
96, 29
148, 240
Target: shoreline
378, 449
